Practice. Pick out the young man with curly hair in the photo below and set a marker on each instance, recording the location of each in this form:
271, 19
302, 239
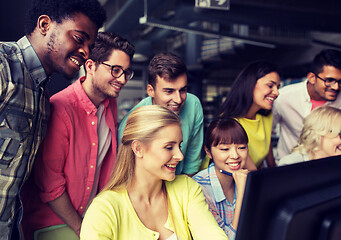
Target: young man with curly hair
59, 35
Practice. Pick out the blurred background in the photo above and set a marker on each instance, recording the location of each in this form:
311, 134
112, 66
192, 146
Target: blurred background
216, 38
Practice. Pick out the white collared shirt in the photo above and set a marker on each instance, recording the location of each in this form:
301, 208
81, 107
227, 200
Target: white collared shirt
290, 108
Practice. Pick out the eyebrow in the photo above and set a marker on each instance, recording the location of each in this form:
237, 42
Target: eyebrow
168, 89
173, 142
173, 89
277, 84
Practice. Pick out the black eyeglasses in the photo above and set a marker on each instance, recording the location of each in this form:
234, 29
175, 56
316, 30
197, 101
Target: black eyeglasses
117, 71
328, 82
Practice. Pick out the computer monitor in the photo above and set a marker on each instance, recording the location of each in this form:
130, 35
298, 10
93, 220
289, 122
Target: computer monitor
294, 202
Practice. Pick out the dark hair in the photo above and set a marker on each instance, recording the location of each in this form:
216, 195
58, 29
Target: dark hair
225, 131
106, 42
58, 10
167, 66
327, 57
240, 98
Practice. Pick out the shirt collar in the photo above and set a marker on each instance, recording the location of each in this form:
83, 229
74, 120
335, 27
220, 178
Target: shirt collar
218, 192
305, 91
32, 62
88, 106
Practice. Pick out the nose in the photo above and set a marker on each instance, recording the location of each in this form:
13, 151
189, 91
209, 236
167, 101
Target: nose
122, 79
85, 51
178, 155
177, 97
234, 153
335, 86
275, 91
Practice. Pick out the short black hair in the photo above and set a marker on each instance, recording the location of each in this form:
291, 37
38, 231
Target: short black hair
224, 131
106, 42
327, 57
167, 66
58, 10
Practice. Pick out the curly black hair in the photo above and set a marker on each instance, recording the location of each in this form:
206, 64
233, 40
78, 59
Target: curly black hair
327, 57
58, 10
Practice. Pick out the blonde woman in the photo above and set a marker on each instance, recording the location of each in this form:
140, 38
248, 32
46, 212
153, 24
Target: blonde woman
144, 198
320, 136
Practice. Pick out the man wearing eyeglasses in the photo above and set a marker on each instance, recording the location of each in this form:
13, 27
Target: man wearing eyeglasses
296, 101
79, 151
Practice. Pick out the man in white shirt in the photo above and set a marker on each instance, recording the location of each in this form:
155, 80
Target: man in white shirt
296, 101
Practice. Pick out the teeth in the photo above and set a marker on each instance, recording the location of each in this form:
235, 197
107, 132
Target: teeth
171, 166
75, 61
115, 86
233, 164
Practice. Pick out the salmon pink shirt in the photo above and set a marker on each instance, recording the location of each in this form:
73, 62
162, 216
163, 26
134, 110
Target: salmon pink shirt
67, 158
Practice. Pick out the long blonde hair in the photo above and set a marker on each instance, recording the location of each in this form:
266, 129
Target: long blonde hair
142, 125
322, 121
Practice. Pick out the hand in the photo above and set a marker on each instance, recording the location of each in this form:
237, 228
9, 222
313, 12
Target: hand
240, 177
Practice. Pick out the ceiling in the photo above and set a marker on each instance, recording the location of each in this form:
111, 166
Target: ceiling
218, 43
215, 44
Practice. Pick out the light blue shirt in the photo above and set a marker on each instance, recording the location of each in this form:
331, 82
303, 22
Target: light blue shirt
192, 118
220, 207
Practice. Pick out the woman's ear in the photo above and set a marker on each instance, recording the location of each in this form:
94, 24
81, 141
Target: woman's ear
208, 152
137, 148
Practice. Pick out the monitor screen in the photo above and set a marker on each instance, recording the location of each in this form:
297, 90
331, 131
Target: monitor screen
294, 202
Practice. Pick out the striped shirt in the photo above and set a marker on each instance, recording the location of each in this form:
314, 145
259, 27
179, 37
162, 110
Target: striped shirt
24, 108
221, 208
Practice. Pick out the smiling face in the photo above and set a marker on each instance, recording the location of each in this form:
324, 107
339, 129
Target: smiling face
67, 44
169, 94
317, 88
162, 154
228, 157
330, 146
265, 92
99, 83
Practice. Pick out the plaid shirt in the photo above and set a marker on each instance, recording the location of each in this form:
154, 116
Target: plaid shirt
24, 108
222, 210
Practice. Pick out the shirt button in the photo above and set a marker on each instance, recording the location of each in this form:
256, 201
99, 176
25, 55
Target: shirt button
81, 207
92, 166
93, 123
88, 188
93, 144
88, 113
